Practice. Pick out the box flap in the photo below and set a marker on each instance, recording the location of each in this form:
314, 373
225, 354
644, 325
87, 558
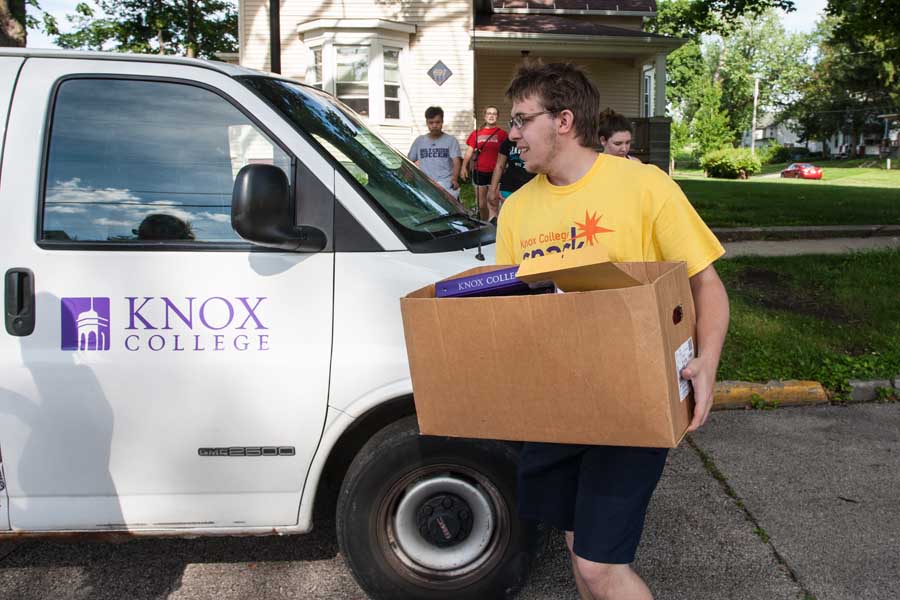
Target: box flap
582, 270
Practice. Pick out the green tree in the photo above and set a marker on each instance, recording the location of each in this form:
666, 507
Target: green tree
201, 28
758, 47
844, 92
688, 72
709, 128
680, 137
693, 18
870, 26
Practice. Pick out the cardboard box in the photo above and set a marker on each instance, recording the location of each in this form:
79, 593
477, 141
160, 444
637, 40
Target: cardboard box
599, 366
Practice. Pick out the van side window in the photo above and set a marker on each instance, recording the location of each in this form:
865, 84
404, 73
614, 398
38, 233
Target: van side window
132, 161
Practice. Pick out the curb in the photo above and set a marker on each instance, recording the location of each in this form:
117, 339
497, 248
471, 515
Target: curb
745, 394
742, 234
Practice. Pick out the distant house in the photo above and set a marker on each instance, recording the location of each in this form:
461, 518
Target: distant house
869, 143
391, 59
770, 131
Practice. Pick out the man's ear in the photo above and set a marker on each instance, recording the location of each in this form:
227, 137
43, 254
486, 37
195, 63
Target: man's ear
566, 121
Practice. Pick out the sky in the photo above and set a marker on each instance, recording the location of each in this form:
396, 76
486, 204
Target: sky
803, 19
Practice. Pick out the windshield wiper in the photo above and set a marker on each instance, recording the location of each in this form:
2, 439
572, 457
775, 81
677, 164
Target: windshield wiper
449, 216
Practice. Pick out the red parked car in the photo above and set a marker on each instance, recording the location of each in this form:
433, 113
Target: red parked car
803, 171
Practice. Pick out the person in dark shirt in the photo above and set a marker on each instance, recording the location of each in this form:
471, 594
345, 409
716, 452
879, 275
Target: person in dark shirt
509, 173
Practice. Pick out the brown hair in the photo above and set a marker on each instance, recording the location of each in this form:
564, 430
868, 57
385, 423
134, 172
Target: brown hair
612, 122
560, 86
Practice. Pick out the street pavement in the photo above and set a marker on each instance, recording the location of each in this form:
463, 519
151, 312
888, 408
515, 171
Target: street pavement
793, 503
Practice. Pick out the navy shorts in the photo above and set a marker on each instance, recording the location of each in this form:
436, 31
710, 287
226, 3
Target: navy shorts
598, 492
482, 178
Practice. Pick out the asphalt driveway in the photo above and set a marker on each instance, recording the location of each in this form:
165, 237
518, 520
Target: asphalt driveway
790, 503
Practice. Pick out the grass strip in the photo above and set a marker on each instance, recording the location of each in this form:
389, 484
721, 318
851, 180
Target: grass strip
827, 318
772, 202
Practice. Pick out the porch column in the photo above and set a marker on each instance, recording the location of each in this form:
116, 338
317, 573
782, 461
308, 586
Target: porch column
659, 95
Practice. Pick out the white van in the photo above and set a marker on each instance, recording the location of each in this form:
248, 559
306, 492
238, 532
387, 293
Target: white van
202, 270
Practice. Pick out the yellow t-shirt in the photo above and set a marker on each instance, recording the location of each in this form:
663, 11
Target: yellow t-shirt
635, 210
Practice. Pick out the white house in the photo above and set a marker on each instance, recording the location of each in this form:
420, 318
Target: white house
770, 131
391, 59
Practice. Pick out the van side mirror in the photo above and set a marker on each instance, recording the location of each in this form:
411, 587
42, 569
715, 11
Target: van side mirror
262, 211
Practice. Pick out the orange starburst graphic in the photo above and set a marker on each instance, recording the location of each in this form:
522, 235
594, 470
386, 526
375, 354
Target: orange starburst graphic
591, 228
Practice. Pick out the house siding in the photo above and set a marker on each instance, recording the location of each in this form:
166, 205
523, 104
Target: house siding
619, 82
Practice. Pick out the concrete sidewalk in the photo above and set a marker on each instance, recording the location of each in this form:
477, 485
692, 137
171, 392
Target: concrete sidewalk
809, 246
789, 241
804, 232
785, 504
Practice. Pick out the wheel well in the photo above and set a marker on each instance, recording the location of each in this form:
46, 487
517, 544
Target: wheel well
349, 444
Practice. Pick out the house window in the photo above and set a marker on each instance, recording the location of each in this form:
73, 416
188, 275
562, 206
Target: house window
352, 77
316, 78
361, 62
647, 95
391, 83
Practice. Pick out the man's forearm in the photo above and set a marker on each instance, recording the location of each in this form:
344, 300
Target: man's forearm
457, 163
711, 305
498, 171
465, 160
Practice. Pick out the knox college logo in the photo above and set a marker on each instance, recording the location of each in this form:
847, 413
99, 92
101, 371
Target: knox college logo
85, 324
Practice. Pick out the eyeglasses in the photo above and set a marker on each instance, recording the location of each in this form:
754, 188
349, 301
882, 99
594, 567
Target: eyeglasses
520, 120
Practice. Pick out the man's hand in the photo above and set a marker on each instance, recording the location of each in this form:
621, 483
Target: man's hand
454, 184
494, 194
702, 375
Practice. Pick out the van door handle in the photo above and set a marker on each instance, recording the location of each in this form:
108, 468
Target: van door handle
19, 309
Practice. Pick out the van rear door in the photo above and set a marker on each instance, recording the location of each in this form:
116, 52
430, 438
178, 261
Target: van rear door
176, 376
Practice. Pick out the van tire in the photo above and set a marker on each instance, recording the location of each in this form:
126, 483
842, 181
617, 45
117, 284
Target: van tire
451, 474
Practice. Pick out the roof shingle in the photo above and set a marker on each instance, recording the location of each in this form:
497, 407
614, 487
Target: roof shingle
610, 5
552, 24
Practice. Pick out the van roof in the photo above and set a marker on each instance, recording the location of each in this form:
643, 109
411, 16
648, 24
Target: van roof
228, 69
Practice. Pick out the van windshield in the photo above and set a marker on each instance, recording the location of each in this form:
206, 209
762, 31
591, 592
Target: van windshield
416, 207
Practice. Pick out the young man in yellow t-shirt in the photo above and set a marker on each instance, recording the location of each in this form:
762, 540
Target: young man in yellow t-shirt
598, 495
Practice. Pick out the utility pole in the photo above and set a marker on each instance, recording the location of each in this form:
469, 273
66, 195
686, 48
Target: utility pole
275, 35
753, 127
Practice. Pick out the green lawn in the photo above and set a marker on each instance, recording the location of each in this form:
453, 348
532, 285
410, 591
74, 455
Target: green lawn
847, 196
850, 194
824, 318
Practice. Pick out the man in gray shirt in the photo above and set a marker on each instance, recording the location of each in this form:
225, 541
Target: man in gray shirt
437, 153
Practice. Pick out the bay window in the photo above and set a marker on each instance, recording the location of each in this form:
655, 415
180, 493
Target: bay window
361, 62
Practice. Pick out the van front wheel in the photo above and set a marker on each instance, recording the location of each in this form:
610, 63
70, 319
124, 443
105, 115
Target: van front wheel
433, 518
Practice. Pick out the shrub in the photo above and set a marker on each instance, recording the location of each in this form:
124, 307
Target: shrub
779, 154
685, 160
730, 163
